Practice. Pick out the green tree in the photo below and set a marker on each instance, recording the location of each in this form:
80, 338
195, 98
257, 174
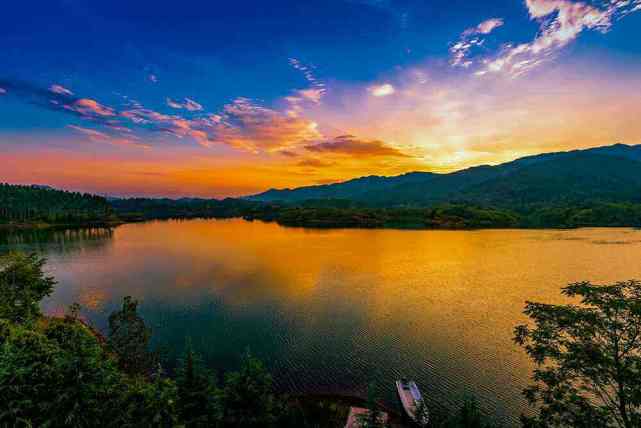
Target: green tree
151, 404
247, 398
374, 418
195, 391
23, 284
587, 356
129, 338
55, 373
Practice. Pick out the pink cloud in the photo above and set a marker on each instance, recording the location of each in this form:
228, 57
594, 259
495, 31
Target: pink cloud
61, 90
485, 27
97, 136
313, 94
188, 104
470, 39
88, 107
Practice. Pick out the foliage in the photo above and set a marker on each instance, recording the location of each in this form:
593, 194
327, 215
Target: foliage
55, 374
587, 356
129, 338
28, 204
151, 403
374, 418
23, 284
247, 398
467, 416
196, 391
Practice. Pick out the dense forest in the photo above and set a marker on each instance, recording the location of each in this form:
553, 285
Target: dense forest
33, 205
39, 204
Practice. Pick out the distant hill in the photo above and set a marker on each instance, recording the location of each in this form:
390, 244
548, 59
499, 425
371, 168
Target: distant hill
603, 174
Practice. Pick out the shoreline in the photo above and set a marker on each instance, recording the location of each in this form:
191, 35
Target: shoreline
20, 227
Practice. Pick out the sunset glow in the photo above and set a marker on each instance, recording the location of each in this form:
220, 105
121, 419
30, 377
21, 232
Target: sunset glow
230, 100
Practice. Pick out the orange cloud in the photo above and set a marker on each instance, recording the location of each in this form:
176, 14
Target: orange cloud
88, 108
352, 146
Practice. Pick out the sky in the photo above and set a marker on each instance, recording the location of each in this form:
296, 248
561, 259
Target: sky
216, 99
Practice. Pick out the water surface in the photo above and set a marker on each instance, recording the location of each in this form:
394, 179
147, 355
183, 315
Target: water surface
329, 310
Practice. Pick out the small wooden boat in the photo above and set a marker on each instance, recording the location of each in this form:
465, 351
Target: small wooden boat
412, 401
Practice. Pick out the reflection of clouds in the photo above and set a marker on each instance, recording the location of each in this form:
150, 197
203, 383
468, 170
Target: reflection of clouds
325, 308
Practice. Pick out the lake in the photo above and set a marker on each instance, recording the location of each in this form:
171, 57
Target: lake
330, 310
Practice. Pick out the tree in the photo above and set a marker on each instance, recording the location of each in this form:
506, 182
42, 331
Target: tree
151, 403
374, 418
587, 356
55, 373
195, 391
247, 398
23, 284
129, 338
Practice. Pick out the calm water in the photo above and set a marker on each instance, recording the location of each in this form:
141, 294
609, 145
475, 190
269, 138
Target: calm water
328, 310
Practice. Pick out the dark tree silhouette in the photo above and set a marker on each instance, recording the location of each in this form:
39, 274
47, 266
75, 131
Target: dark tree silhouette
587, 356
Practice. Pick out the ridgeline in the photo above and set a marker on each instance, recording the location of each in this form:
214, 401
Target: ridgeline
599, 187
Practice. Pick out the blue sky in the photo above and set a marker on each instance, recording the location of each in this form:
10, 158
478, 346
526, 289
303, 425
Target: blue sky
213, 84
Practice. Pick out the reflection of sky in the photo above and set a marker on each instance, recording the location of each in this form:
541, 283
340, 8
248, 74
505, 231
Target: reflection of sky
228, 98
328, 309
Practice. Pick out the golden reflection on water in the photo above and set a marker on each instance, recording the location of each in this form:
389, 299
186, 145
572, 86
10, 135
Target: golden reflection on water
439, 305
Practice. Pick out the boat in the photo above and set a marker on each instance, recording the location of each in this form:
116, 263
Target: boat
412, 401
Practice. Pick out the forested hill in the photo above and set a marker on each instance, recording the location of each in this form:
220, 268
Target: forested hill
602, 174
33, 204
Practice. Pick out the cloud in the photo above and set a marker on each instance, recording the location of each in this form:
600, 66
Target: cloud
353, 146
247, 125
561, 22
314, 163
317, 87
470, 39
313, 94
188, 104
381, 90
90, 108
61, 90
98, 136
3, 91
152, 78
485, 27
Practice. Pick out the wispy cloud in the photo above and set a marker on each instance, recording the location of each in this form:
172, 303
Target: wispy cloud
187, 104
59, 89
485, 27
152, 78
314, 93
471, 38
561, 22
3, 91
382, 90
97, 136
90, 108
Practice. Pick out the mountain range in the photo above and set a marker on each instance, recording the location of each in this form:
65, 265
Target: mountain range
606, 174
